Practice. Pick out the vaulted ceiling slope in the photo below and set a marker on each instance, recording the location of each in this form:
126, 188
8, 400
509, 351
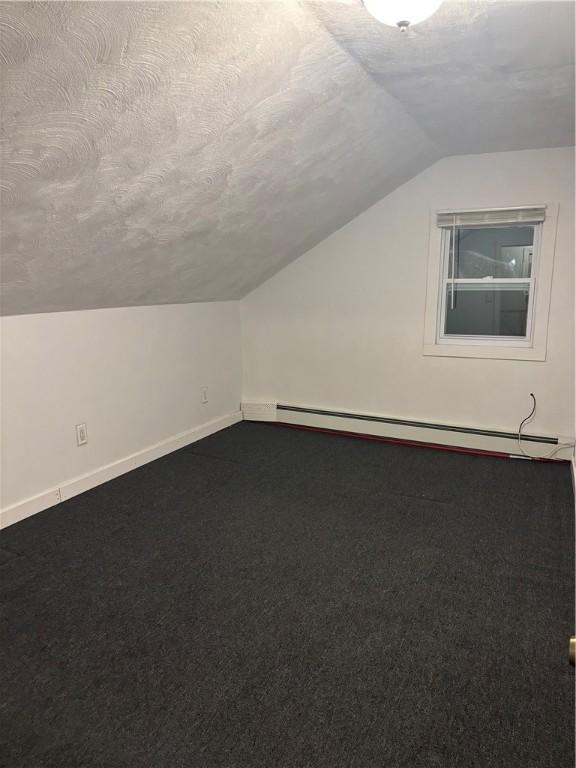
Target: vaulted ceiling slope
177, 152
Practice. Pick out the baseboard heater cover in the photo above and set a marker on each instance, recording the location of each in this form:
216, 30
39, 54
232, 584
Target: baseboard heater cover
262, 411
418, 424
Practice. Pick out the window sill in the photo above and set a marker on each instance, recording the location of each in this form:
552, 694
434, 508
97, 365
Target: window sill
485, 351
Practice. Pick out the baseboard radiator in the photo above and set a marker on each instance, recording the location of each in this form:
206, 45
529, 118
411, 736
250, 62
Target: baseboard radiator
259, 411
409, 430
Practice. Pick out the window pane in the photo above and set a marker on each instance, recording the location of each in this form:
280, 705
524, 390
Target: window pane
493, 251
487, 310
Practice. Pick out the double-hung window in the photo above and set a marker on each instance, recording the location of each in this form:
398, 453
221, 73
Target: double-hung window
489, 267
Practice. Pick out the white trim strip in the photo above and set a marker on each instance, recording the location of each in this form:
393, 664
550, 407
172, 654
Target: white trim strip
22, 509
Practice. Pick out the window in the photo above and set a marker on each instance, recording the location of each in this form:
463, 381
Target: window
489, 273
487, 284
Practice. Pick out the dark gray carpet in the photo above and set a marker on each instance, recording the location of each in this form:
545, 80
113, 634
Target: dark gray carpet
278, 598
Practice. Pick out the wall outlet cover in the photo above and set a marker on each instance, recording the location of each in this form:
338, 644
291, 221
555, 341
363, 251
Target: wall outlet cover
81, 434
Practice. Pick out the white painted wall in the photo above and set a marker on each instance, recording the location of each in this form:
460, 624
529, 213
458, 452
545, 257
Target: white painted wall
342, 327
132, 374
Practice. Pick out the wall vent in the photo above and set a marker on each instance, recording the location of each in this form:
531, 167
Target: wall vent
259, 411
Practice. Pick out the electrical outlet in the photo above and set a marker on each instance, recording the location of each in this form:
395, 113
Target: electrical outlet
81, 434
204, 394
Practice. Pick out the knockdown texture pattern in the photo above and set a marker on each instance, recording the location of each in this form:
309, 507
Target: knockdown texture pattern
270, 598
174, 152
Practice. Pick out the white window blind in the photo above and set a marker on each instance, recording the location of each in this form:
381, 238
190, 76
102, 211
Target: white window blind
495, 217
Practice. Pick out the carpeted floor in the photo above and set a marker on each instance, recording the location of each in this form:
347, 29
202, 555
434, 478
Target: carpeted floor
283, 599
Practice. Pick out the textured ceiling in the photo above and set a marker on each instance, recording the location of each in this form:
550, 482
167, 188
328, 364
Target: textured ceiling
175, 152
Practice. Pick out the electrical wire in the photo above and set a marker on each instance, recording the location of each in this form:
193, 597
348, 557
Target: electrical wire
523, 423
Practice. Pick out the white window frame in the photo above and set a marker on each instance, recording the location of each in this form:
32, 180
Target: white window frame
530, 347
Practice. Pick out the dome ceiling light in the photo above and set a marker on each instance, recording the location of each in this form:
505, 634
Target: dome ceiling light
402, 13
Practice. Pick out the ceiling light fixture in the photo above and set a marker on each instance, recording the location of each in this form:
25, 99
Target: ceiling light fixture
402, 13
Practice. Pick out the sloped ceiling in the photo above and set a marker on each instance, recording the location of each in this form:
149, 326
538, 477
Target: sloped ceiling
176, 152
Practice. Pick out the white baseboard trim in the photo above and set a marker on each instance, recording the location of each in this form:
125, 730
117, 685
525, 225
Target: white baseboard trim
416, 432
22, 509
